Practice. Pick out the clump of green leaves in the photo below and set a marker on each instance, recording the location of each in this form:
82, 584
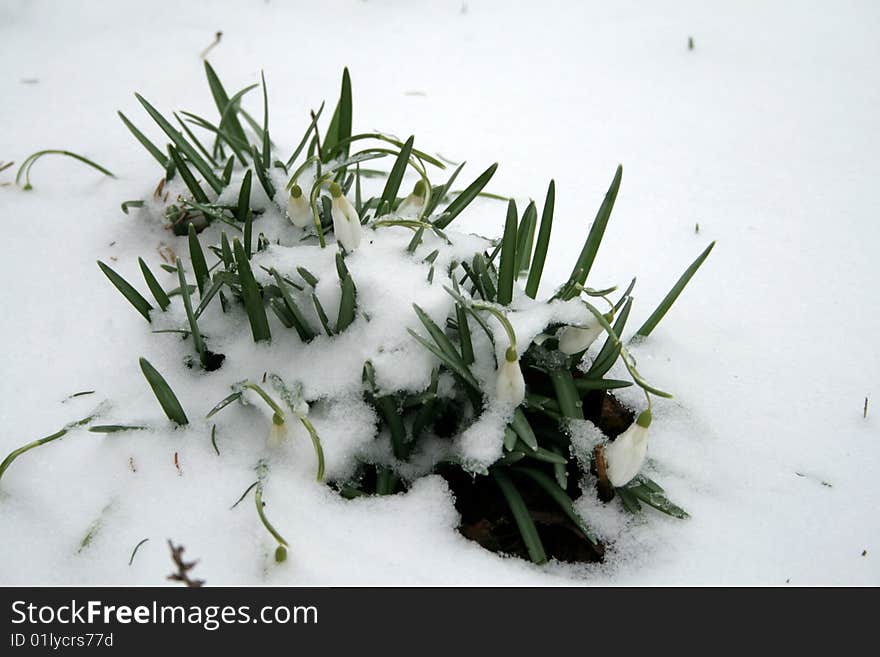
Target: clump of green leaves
537, 470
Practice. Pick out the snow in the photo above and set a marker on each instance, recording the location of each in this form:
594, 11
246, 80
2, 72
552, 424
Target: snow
765, 135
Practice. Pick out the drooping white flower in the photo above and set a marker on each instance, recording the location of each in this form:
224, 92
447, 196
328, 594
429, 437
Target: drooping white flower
575, 339
412, 205
626, 454
298, 209
346, 223
278, 430
511, 387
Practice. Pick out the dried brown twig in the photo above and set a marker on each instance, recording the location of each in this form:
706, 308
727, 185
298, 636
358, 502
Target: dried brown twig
183, 567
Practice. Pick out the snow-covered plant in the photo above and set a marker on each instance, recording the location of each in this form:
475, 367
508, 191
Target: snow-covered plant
483, 381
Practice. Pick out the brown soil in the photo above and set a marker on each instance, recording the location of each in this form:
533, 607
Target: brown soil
485, 515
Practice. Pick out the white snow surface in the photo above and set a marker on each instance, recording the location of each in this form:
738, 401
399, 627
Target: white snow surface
765, 135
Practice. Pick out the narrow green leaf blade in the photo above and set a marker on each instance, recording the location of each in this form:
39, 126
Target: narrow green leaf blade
521, 515
540, 257
164, 394
250, 292
152, 149
594, 239
392, 185
156, 289
507, 269
134, 297
197, 255
463, 200
672, 295
184, 146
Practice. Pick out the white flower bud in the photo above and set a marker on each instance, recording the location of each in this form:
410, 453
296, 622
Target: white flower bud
278, 431
411, 206
346, 223
575, 339
626, 454
298, 209
511, 387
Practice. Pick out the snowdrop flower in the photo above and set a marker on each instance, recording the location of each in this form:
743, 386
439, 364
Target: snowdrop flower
511, 387
575, 339
411, 206
278, 430
298, 208
626, 454
346, 223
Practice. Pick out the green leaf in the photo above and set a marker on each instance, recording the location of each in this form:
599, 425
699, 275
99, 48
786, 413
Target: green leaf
439, 193
237, 147
340, 125
267, 150
541, 454
486, 286
184, 146
227, 170
158, 293
167, 399
525, 239
510, 438
347, 304
152, 149
226, 251
226, 401
464, 334
305, 137
28, 163
521, 515
453, 364
657, 500
250, 292
392, 185
187, 304
322, 315
244, 200
307, 276
14, 454
566, 393
523, 429
188, 178
507, 269
541, 247
463, 200
560, 497
441, 340
134, 297
219, 281
244, 214
672, 295
630, 501
195, 140
131, 204
585, 385
298, 320
200, 267
221, 99
115, 428
588, 254
263, 174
